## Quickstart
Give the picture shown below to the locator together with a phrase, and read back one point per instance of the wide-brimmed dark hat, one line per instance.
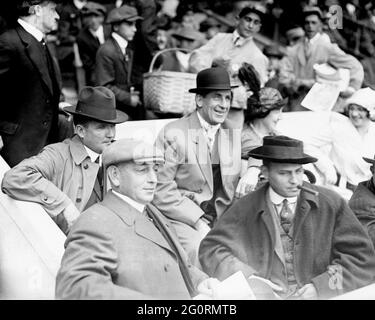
(124, 13)
(212, 79)
(93, 8)
(98, 103)
(282, 149)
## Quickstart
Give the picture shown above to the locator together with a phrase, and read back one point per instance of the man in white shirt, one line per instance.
(197, 183)
(114, 61)
(123, 247)
(301, 237)
(66, 177)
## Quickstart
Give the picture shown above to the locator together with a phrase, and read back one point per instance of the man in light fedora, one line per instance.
(198, 180)
(66, 177)
(123, 247)
(301, 239)
(362, 202)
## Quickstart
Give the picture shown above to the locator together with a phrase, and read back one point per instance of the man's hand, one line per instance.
(248, 182)
(71, 214)
(202, 227)
(1, 143)
(307, 292)
(208, 287)
(347, 93)
(135, 100)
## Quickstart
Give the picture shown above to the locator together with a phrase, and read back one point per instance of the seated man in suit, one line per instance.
(362, 202)
(123, 247)
(65, 178)
(203, 162)
(301, 237)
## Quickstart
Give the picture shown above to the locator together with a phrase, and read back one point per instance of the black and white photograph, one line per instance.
(203, 153)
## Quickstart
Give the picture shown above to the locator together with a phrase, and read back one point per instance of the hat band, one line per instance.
(282, 152)
(97, 112)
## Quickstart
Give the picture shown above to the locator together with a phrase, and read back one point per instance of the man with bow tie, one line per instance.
(301, 239)
(197, 183)
(114, 61)
(66, 177)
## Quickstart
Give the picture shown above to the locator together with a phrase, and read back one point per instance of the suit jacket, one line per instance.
(114, 72)
(186, 179)
(115, 252)
(326, 233)
(362, 203)
(88, 46)
(295, 66)
(29, 98)
(58, 176)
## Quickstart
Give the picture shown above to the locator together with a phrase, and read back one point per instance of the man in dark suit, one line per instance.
(123, 247)
(114, 61)
(29, 83)
(91, 37)
(302, 237)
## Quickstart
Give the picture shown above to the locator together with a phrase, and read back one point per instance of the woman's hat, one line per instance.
(271, 97)
(98, 103)
(212, 79)
(282, 149)
(365, 98)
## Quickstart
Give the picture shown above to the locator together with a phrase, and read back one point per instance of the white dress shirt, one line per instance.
(209, 130)
(277, 200)
(136, 205)
(93, 155)
(99, 34)
(35, 32)
(121, 42)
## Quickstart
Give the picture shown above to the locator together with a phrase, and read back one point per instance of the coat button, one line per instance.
(78, 200)
(200, 190)
(45, 198)
(166, 267)
(85, 166)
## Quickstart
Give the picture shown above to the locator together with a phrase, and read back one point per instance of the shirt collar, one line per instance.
(209, 128)
(136, 205)
(35, 32)
(239, 40)
(98, 34)
(121, 41)
(276, 199)
(93, 155)
(315, 38)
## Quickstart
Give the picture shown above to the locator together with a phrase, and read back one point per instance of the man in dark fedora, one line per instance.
(297, 236)
(362, 202)
(114, 61)
(66, 177)
(200, 175)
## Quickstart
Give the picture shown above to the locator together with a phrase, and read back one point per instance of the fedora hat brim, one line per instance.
(120, 116)
(288, 157)
(202, 89)
(372, 161)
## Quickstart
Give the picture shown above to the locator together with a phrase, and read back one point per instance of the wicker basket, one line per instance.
(167, 91)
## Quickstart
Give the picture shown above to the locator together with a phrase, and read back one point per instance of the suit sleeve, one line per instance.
(106, 75)
(89, 264)
(31, 180)
(353, 257)
(169, 199)
(221, 252)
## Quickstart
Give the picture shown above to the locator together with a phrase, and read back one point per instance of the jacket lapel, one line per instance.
(301, 54)
(201, 148)
(119, 53)
(35, 56)
(129, 215)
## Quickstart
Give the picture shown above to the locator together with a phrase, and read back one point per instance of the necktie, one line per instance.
(307, 49)
(47, 56)
(286, 216)
(100, 175)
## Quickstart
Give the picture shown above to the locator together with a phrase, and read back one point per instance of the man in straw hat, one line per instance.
(123, 247)
(198, 180)
(301, 239)
(362, 202)
(66, 177)
(114, 61)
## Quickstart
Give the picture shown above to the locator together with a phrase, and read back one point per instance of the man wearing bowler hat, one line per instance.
(114, 61)
(301, 239)
(66, 177)
(362, 202)
(198, 180)
(123, 247)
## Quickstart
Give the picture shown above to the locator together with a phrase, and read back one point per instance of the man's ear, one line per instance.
(113, 175)
(265, 171)
(199, 100)
(80, 130)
